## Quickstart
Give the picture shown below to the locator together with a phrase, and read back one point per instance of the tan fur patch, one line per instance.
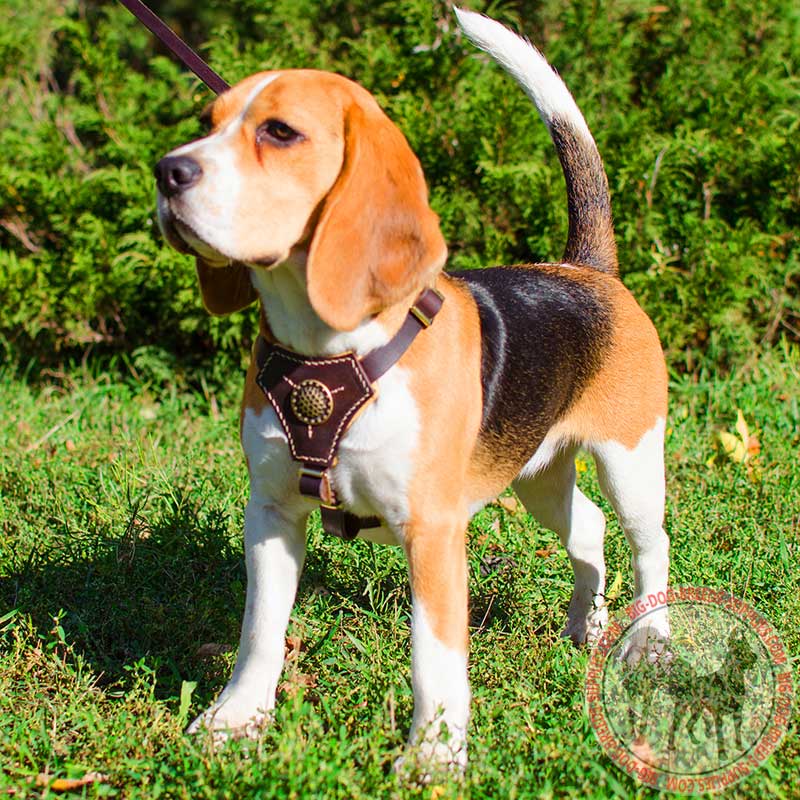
(253, 397)
(624, 400)
(445, 366)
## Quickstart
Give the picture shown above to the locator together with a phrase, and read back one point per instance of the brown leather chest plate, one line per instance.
(315, 399)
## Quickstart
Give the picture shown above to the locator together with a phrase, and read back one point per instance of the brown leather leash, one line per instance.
(176, 45)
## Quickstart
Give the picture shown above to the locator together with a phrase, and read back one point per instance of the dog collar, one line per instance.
(316, 399)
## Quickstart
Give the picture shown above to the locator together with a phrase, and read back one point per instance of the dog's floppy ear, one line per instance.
(225, 289)
(377, 239)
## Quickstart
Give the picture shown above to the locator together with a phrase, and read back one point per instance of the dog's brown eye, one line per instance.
(276, 132)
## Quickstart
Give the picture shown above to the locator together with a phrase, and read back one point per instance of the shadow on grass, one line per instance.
(173, 581)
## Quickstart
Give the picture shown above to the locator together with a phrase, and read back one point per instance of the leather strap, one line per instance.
(420, 316)
(281, 372)
(338, 522)
(176, 45)
(312, 485)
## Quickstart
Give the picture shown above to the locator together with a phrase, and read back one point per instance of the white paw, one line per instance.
(586, 628)
(234, 716)
(596, 623)
(648, 638)
(430, 760)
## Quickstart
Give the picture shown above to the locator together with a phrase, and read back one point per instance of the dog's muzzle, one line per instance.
(176, 174)
(166, 222)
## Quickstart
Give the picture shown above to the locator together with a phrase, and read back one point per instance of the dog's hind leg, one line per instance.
(633, 481)
(552, 497)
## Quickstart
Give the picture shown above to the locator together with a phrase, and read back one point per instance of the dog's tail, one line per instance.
(591, 229)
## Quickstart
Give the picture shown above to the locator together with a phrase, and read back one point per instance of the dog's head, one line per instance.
(305, 161)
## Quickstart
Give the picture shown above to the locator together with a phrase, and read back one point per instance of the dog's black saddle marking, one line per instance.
(544, 335)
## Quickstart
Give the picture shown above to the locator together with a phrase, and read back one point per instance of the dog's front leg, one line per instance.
(436, 551)
(274, 552)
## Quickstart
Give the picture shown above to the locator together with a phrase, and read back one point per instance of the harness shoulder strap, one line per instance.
(420, 316)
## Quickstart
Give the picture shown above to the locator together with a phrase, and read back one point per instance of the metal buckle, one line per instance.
(310, 472)
(423, 318)
(325, 494)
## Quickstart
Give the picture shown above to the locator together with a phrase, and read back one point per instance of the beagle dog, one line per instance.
(306, 197)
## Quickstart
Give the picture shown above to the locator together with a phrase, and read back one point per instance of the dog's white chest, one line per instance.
(374, 458)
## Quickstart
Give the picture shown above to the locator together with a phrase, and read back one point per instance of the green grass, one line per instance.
(121, 505)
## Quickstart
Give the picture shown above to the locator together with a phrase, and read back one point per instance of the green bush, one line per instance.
(694, 107)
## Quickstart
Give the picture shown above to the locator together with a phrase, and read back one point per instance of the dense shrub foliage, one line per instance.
(694, 105)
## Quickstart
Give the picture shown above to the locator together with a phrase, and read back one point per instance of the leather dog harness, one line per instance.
(317, 398)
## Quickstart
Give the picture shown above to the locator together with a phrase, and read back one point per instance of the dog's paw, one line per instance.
(432, 760)
(231, 717)
(647, 638)
(586, 628)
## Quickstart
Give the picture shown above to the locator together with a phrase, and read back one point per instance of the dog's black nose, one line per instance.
(175, 174)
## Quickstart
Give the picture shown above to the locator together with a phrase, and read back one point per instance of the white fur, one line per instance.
(551, 445)
(550, 494)
(441, 693)
(205, 214)
(376, 456)
(273, 472)
(294, 322)
(255, 92)
(633, 481)
(527, 66)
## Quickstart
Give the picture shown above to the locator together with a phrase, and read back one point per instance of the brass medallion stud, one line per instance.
(311, 402)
